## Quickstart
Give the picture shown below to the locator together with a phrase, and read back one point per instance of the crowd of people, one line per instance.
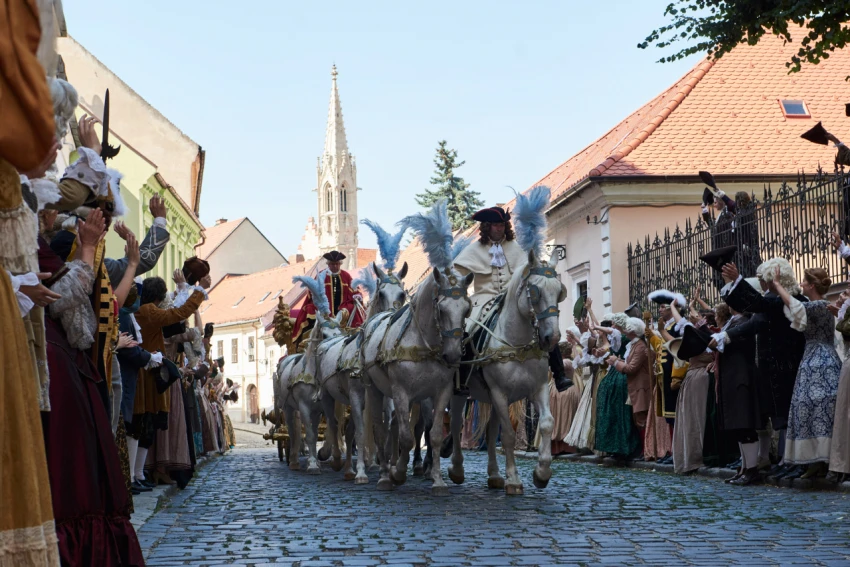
(107, 379)
(756, 383)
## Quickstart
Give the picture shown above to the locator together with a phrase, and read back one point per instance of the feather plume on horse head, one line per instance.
(316, 287)
(388, 244)
(460, 243)
(434, 231)
(366, 280)
(529, 217)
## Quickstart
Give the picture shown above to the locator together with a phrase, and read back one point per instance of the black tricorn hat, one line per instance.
(694, 342)
(174, 329)
(334, 256)
(167, 375)
(708, 179)
(707, 197)
(493, 214)
(634, 310)
(720, 256)
(816, 134)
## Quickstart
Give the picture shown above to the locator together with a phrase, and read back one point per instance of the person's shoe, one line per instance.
(835, 477)
(141, 487)
(562, 383)
(777, 470)
(793, 472)
(134, 491)
(146, 483)
(750, 476)
(815, 469)
(739, 474)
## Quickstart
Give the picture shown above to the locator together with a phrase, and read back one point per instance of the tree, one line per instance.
(717, 26)
(461, 202)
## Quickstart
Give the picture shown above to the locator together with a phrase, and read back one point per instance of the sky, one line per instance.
(515, 88)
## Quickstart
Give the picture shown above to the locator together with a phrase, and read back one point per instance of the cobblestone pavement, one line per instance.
(248, 508)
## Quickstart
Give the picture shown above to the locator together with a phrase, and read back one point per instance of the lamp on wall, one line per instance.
(599, 221)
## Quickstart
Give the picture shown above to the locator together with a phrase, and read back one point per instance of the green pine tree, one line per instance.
(461, 202)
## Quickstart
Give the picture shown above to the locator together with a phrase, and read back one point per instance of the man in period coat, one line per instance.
(340, 296)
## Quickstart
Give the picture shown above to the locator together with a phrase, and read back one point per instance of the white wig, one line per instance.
(619, 320)
(636, 326)
(65, 100)
(767, 271)
(607, 317)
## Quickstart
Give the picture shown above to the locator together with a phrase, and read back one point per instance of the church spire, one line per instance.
(335, 143)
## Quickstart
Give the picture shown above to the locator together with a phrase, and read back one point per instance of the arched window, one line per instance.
(343, 200)
(328, 199)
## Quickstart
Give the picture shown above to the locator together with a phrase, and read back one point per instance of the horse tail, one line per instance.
(479, 430)
(341, 422)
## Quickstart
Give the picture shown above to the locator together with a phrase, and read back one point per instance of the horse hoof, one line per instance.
(398, 476)
(314, 470)
(294, 467)
(418, 470)
(513, 489)
(324, 453)
(440, 490)
(349, 475)
(456, 478)
(497, 483)
(336, 466)
(385, 484)
(361, 480)
(540, 481)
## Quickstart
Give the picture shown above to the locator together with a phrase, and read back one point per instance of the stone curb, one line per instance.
(709, 472)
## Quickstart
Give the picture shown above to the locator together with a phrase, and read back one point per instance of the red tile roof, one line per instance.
(723, 117)
(366, 255)
(215, 235)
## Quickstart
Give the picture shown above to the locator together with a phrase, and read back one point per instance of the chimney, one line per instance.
(220, 221)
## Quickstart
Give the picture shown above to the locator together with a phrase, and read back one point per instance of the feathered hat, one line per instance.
(530, 219)
(664, 297)
(434, 230)
(316, 287)
(388, 244)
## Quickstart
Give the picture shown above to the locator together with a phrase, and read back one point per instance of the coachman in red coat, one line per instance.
(340, 297)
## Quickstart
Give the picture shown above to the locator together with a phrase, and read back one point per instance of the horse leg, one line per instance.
(494, 479)
(380, 432)
(546, 423)
(444, 395)
(403, 434)
(348, 465)
(456, 468)
(418, 429)
(293, 427)
(311, 430)
(513, 484)
(427, 414)
(331, 433)
(358, 429)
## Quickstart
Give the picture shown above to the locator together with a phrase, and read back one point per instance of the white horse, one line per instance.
(514, 364)
(339, 372)
(412, 356)
(298, 391)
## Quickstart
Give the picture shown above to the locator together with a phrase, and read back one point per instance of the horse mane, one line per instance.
(529, 216)
(434, 230)
(389, 245)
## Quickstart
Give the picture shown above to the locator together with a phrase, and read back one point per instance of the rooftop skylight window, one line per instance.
(238, 302)
(268, 293)
(276, 294)
(795, 109)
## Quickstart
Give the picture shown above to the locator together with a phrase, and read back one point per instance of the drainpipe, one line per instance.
(257, 325)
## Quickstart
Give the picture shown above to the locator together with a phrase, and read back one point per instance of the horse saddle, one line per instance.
(489, 318)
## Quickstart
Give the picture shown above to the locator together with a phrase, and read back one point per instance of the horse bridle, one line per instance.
(454, 292)
(533, 294)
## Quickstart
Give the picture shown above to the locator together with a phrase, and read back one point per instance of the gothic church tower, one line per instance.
(337, 187)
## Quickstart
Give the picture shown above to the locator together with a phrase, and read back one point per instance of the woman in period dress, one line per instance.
(839, 452)
(810, 421)
(615, 431)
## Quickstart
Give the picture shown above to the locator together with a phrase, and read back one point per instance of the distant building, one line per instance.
(238, 247)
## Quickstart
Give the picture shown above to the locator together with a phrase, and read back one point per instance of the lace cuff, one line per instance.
(155, 361)
(74, 309)
(843, 311)
(616, 339)
(25, 304)
(159, 221)
(681, 324)
(184, 292)
(722, 340)
(796, 314)
(727, 289)
(844, 250)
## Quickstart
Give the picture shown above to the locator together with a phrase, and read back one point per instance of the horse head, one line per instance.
(538, 297)
(390, 292)
(326, 327)
(451, 307)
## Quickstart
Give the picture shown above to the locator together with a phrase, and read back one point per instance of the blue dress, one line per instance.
(813, 403)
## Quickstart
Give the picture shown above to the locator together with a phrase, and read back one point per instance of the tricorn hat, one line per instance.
(492, 214)
(634, 310)
(708, 179)
(665, 297)
(195, 269)
(707, 197)
(694, 342)
(334, 256)
(578, 308)
(816, 134)
(167, 375)
(719, 257)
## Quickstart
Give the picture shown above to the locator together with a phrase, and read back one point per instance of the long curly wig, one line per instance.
(484, 232)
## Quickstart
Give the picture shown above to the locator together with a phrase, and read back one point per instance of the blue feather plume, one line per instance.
(461, 243)
(529, 216)
(388, 244)
(366, 280)
(434, 231)
(316, 287)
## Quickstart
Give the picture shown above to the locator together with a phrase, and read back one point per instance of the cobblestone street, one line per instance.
(248, 508)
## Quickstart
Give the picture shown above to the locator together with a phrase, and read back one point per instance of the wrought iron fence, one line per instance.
(795, 222)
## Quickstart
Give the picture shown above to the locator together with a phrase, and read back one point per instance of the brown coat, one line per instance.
(636, 368)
